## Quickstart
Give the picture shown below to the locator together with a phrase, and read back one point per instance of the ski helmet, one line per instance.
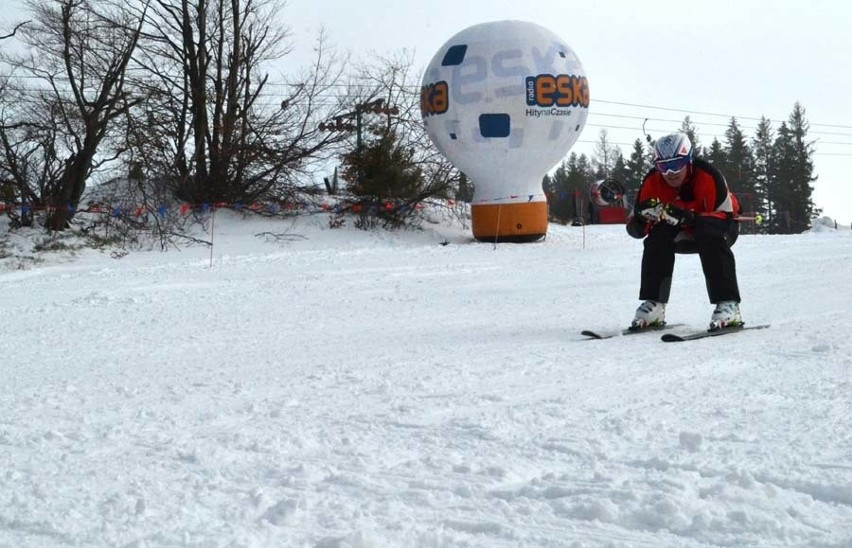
(672, 152)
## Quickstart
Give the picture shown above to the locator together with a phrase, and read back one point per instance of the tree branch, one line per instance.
(14, 30)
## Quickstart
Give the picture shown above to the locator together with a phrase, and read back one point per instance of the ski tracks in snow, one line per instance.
(433, 396)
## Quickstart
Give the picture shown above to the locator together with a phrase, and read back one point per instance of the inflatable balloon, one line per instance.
(504, 102)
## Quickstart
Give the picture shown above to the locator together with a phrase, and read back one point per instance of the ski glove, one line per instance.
(678, 216)
(637, 227)
(650, 210)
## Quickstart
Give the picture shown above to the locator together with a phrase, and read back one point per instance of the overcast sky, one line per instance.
(654, 59)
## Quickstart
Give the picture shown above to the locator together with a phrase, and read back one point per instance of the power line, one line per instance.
(602, 114)
(604, 101)
(652, 107)
(415, 88)
(701, 134)
(703, 123)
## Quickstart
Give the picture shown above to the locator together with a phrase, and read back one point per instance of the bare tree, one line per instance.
(29, 135)
(70, 91)
(605, 155)
(213, 127)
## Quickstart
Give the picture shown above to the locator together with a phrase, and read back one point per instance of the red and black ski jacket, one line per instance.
(704, 192)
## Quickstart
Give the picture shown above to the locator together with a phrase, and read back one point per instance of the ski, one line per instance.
(681, 337)
(610, 334)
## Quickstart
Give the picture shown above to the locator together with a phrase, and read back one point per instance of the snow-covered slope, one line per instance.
(343, 388)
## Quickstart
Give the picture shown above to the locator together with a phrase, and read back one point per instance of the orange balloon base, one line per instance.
(517, 223)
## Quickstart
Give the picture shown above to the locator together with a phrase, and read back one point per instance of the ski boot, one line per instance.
(726, 314)
(649, 314)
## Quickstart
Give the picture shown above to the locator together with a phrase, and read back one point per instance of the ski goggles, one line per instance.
(675, 165)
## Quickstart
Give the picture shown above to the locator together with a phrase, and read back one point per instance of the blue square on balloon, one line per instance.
(494, 125)
(454, 56)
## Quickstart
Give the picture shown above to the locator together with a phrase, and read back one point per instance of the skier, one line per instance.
(684, 206)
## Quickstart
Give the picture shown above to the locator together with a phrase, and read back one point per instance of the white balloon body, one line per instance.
(504, 102)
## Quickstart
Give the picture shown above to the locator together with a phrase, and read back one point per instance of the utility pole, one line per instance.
(343, 122)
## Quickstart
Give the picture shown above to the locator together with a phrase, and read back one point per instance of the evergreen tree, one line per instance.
(561, 200)
(763, 161)
(803, 209)
(579, 175)
(781, 190)
(692, 132)
(620, 171)
(583, 174)
(637, 166)
(547, 185)
(739, 168)
(784, 173)
(549, 194)
(717, 155)
(383, 170)
(464, 193)
(789, 174)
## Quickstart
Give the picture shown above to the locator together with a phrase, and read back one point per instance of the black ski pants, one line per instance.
(713, 240)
